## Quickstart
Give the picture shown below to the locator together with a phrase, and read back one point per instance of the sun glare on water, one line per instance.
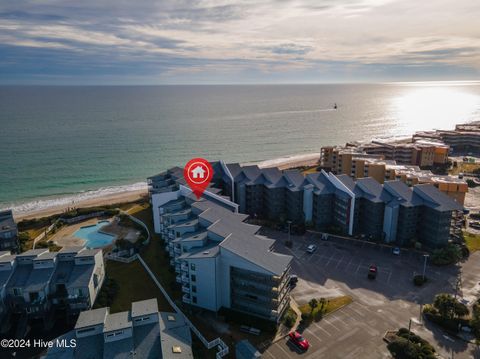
(433, 107)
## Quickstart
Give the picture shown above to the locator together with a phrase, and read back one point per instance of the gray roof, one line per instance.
(208, 251)
(20, 276)
(175, 334)
(117, 321)
(88, 252)
(436, 199)
(46, 255)
(8, 258)
(144, 307)
(80, 276)
(92, 317)
(6, 220)
(32, 252)
(118, 349)
(256, 251)
(38, 279)
(146, 339)
(71, 249)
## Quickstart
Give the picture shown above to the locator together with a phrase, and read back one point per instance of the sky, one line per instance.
(219, 42)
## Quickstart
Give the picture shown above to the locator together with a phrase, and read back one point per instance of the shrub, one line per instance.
(289, 318)
(410, 346)
(449, 254)
(419, 280)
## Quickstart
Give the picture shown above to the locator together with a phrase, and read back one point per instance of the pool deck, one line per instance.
(65, 236)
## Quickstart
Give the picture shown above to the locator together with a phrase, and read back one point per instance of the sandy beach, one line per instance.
(92, 202)
(51, 208)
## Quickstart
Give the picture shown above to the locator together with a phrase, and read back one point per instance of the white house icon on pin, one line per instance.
(198, 172)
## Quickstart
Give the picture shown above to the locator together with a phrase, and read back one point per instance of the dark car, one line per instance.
(299, 340)
(372, 272)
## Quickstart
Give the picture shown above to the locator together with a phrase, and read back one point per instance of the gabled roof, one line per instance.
(436, 199)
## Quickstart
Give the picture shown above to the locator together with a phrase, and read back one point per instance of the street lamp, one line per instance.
(425, 256)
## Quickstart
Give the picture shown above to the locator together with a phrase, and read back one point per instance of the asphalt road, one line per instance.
(339, 267)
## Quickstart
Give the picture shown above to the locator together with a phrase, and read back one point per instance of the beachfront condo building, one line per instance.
(464, 139)
(143, 332)
(357, 164)
(335, 204)
(220, 261)
(35, 283)
(8, 232)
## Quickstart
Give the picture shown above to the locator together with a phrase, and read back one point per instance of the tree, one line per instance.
(449, 254)
(313, 303)
(475, 322)
(446, 304)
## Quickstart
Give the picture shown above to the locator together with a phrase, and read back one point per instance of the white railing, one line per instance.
(222, 347)
(116, 257)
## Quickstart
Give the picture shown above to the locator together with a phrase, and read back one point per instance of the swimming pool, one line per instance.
(93, 237)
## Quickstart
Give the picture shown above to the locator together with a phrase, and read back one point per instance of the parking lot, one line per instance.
(340, 267)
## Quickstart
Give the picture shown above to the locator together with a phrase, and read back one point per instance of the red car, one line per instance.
(299, 340)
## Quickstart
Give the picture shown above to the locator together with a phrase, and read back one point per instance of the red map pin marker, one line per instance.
(198, 173)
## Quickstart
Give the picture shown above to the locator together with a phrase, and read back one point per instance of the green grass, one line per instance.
(472, 240)
(331, 305)
(155, 256)
(134, 284)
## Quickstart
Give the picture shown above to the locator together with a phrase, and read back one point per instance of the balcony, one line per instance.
(177, 250)
(178, 279)
(186, 288)
(184, 267)
(185, 279)
(172, 262)
(186, 299)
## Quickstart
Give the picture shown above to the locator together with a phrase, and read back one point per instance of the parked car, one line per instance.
(311, 248)
(372, 272)
(293, 280)
(299, 340)
(396, 251)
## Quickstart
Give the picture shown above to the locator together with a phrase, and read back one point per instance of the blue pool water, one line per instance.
(93, 237)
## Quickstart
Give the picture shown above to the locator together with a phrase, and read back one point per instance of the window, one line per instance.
(193, 278)
(17, 291)
(192, 266)
(178, 234)
(194, 299)
(194, 288)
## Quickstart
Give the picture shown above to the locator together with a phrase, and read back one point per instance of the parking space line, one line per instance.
(323, 330)
(283, 350)
(340, 261)
(268, 352)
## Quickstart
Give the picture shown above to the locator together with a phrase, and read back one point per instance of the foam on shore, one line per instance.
(74, 200)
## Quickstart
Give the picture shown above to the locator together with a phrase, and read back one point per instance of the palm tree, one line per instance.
(313, 303)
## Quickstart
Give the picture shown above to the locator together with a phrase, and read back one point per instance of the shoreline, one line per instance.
(130, 193)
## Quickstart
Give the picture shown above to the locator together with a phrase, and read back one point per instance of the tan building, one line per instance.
(357, 164)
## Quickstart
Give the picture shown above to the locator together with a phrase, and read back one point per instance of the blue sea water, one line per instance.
(93, 237)
(58, 141)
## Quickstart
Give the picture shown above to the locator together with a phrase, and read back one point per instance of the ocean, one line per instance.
(88, 141)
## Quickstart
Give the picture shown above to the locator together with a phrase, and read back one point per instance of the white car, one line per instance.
(396, 251)
(311, 248)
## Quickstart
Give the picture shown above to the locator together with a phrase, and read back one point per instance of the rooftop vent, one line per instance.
(171, 318)
(176, 349)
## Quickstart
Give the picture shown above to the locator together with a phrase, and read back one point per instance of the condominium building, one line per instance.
(143, 332)
(464, 139)
(357, 164)
(36, 282)
(338, 204)
(329, 202)
(221, 261)
(8, 232)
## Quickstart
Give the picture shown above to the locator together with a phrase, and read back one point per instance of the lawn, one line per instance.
(331, 305)
(156, 257)
(472, 240)
(134, 284)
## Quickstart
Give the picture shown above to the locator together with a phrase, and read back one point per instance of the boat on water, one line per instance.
(335, 106)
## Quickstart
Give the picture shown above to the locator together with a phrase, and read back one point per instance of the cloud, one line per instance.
(253, 36)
